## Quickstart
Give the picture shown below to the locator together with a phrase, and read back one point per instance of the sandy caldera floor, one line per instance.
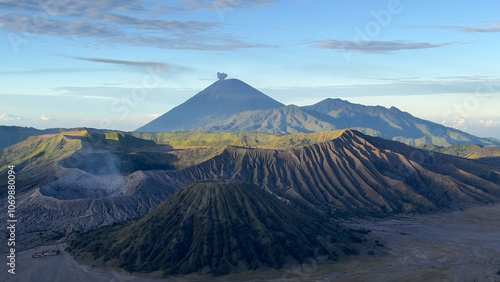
(457, 246)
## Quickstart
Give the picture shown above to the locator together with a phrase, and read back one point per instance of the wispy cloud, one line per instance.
(141, 64)
(155, 94)
(224, 4)
(44, 118)
(49, 71)
(372, 47)
(23, 25)
(494, 27)
(157, 66)
(130, 22)
(482, 86)
(192, 42)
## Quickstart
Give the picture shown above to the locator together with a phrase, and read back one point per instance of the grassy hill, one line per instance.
(188, 139)
(487, 154)
(206, 139)
(41, 159)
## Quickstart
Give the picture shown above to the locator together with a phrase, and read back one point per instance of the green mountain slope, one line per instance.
(234, 106)
(206, 139)
(217, 228)
(35, 158)
(336, 114)
(46, 158)
(282, 121)
(10, 135)
(392, 124)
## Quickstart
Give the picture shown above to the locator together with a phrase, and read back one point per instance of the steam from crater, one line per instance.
(221, 75)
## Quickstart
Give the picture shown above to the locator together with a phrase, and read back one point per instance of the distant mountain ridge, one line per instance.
(234, 106)
(393, 124)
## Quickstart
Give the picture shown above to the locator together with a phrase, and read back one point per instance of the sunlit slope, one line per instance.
(355, 174)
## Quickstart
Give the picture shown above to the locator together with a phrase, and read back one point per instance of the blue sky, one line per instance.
(119, 64)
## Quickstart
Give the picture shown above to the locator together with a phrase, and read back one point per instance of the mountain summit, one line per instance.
(219, 101)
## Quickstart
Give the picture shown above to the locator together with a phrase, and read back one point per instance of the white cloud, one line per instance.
(459, 124)
(45, 118)
(491, 123)
(8, 117)
(154, 115)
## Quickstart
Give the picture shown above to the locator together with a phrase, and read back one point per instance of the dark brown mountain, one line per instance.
(356, 174)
